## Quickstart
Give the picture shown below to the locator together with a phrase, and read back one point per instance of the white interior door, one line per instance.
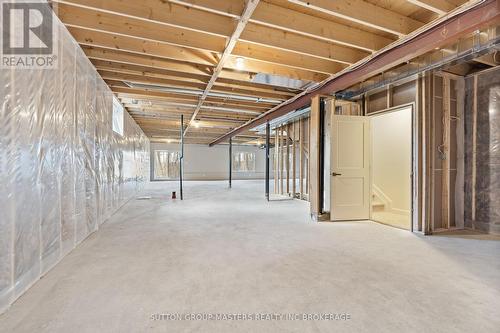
(350, 168)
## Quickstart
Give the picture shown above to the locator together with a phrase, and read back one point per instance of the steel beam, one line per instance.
(446, 31)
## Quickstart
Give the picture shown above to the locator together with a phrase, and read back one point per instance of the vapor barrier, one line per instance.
(482, 148)
(63, 171)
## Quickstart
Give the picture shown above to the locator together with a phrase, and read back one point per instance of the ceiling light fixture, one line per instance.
(240, 63)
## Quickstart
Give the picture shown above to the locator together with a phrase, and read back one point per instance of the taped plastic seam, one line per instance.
(63, 171)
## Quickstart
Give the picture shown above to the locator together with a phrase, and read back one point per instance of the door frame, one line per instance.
(414, 170)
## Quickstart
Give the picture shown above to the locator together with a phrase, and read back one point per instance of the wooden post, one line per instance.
(315, 157)
(308, 156)
(432, 148)
(287, 140)
(418, 167)
(275, 162)
(389, 96)
(446, 156)
(281, 160)
(474, 153)
(294, 169)
(301, 159)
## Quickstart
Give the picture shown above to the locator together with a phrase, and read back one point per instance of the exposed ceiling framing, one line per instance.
(205, 59)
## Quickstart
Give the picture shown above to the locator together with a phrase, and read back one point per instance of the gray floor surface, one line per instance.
(228, 251)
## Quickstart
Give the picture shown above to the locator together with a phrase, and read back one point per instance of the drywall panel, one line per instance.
(212, 163)
(63, 169)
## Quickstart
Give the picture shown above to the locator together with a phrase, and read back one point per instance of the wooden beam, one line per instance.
(286, 41)
(214, 106)
(81, 17)
(128, 53)
(174, 15)
(231, 43)
(365, 13)
(286, 19)
(174, 111)
(105, 22)
(145, 79)
(168, 74)
(439, 7)
(163, 123)
(175, 97)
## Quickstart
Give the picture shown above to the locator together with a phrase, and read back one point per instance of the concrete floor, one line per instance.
(229, 251)
(396, 220)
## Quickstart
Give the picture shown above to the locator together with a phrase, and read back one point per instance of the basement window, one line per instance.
(243, 162)
(166, 164)
(117, 117)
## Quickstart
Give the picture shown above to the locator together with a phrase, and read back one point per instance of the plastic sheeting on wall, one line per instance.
(482, 171)
(63, 171)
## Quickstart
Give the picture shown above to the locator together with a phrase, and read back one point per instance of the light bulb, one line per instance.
(240, 63)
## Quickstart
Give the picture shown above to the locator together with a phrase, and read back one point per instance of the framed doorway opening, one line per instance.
(391, 172)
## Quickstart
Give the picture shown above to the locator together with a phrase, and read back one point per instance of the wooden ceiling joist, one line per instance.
(219, 108)
(190, 81)
(189, 101)
(282, 18)
(365, 13)
(167, 74)
(169, 114)
(182, 17)
(144, 79)
(123, 57)
(439, 7)
(103, 22)
(170, 96)
(120, 53)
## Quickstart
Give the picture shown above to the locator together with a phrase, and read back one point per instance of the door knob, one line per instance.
(334, 174)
